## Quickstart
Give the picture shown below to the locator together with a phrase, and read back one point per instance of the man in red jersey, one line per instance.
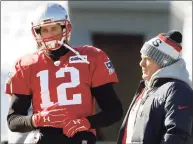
(62, 83)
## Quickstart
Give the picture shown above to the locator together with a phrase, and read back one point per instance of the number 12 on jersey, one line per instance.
(61, 89)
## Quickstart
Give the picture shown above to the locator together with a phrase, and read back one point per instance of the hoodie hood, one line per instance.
(176, 71)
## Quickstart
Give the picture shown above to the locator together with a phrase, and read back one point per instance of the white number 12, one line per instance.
(61, 89)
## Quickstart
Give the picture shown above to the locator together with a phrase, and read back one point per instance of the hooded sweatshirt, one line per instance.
(165, 112)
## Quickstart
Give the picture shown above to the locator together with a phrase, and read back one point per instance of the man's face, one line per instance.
(51, 30)
(149, 67)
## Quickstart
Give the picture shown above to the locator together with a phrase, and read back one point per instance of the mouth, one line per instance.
(144, 71)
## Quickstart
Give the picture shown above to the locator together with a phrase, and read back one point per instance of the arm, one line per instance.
(17, 118)
(19, 88)
(111, 112)
(179, 114)
(18, 121)
(102, 77)
(110, 105)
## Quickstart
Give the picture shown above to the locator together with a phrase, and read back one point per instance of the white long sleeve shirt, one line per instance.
(133, 116)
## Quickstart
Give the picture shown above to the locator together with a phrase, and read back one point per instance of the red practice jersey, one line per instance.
(67, 82)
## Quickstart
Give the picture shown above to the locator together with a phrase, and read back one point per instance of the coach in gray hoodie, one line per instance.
(162, 109)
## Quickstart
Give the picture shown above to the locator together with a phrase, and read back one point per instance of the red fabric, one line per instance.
(73, 126)
(69, 83)
(139, 96)
(19, 81)
(125, 135)
(169, 42)
(52, 117)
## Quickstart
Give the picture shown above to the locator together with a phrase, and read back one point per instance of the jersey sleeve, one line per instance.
(19, 80)
(103, 70)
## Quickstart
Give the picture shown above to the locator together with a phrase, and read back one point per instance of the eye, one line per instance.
(63, 26)
(54, 28)
(44, 30)
(146, 58)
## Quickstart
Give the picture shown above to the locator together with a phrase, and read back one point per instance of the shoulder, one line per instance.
(179, 85)
(179, 90)
(24, 63)
(168, 84)
(172, 88)
(27, 60)
(90, 50)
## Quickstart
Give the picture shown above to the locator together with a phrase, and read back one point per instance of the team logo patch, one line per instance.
(76, 59)
(47, 20)
(110, 66)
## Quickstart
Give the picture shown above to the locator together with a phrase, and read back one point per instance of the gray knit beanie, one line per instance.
(164, 49)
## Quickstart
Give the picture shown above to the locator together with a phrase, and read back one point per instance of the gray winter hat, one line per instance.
(165, 49)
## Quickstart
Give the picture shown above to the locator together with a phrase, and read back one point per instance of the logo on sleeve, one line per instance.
(76, 59)
(182, 107)
(109, 66)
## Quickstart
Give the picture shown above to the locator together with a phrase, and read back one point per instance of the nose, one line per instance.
(50, 33)
(142, 62)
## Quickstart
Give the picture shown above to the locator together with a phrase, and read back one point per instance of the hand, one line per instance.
(51, 117)
(72, 126)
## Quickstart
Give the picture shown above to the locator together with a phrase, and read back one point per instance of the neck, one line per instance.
(146, 83)
(56, 54)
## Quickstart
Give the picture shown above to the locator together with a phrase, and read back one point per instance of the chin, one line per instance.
(144, 77)
(56, 48)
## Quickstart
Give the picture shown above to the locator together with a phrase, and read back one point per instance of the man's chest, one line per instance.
(59, 72)
(66, 83)
(151, 103)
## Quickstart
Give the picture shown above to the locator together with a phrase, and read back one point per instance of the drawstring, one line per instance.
(77, 53)
(70, 48)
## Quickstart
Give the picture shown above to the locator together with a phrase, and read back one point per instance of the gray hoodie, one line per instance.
(166, 116)
(176, 71)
